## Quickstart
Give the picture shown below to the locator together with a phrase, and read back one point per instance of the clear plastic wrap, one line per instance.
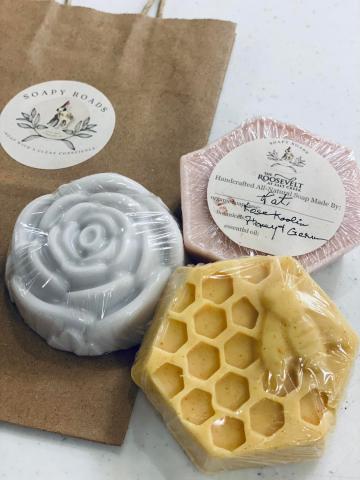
(204, 239)
(246, 360)
(88, 263)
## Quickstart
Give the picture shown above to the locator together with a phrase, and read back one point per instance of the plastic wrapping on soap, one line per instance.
(202, 236)
(247, 361)
(88, 263)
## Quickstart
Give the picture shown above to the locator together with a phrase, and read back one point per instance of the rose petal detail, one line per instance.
(88, 263)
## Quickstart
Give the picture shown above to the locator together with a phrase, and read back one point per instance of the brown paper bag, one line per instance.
(163, 78)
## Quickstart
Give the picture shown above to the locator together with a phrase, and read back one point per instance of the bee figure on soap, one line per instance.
(62, 117)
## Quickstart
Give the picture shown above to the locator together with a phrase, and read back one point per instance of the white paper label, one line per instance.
(276, 196)
(56, 124)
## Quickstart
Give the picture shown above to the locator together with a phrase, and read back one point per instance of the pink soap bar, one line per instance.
(202, 236)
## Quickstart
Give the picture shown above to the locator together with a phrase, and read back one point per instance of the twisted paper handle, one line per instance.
(150, 3)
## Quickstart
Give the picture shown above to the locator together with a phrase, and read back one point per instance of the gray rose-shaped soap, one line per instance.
(89, 262)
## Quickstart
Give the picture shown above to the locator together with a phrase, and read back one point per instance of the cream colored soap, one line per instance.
(246, 361)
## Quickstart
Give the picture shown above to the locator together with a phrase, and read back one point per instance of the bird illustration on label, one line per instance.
(287, 160)
(58, 128)
(63, 117)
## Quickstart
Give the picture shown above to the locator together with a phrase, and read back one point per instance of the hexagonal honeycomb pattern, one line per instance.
(232, 391)
(313, 406)
(184, 297)
(203, 360)
(240, 350)
(169, 379)
(174, 337)
(242, 366)
(267, 417)
(228, 433)
(210, 321)
(196, 406)
(244, 313)
(217, 288)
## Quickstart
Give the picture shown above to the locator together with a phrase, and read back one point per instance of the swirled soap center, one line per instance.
(92, 237)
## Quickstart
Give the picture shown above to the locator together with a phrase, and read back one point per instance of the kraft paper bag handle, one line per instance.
(150, 3)
(145, 10)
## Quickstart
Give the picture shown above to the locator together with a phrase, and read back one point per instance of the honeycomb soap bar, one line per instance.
(246, 361)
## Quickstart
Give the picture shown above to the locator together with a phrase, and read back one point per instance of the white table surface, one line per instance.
(294, 60)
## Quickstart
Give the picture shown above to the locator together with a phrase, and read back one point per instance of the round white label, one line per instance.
(276, 196)
(56, 124)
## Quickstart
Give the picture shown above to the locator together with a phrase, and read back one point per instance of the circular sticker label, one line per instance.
(276, 196)
(56, 124)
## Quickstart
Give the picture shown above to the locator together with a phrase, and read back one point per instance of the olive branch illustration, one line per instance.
(32, 121)
(292, 161)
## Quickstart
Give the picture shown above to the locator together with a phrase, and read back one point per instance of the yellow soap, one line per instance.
(246, 360)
